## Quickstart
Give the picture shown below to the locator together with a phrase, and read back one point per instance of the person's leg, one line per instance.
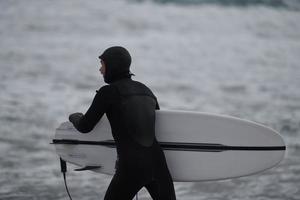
(162, 189)
(122, 188)
(153, 190)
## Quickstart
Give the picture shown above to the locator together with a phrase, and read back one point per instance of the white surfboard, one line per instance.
(198, 146)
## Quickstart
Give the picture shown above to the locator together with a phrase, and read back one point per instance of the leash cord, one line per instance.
(64, 174)
(63, 167)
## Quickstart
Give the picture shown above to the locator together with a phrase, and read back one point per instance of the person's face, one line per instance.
(102, 68)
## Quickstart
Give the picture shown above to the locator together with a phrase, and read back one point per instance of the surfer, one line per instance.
(130, 108)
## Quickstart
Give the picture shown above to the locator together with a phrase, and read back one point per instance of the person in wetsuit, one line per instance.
(130, 108)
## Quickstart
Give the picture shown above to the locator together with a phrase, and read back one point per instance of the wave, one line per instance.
(290, 4)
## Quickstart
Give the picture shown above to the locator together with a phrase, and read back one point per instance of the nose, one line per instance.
(101, 70)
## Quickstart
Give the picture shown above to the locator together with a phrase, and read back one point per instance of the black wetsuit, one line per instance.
(130, 108)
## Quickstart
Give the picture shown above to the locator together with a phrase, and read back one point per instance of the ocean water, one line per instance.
(230, 57)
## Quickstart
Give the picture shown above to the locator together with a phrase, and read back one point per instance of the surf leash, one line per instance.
(63, 169)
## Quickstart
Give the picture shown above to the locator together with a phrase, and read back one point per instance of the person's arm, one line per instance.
(101, 103)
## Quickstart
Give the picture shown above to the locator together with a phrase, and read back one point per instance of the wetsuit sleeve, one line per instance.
(101, 103)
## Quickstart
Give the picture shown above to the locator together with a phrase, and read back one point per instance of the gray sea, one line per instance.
(233, 57)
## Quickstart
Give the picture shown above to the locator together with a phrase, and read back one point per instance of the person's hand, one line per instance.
(75, 117)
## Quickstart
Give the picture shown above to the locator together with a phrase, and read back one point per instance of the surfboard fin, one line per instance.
(88, 168)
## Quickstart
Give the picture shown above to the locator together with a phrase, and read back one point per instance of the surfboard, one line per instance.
(197, 146)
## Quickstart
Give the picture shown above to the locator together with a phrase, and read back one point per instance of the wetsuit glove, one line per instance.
(75, 118)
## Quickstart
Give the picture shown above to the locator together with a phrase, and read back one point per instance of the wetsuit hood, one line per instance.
(117, 61)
